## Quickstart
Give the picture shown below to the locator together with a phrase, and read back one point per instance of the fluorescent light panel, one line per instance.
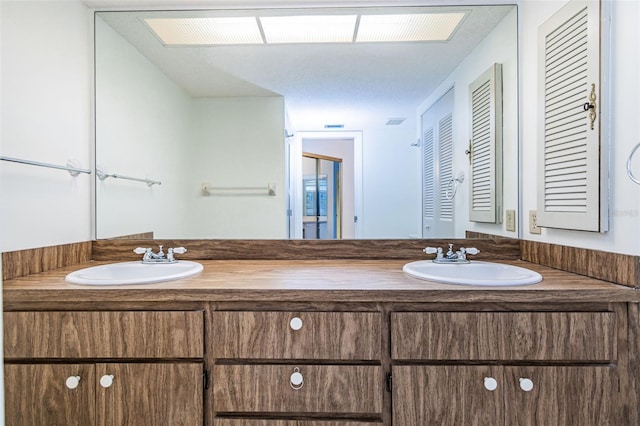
(408, 27)
(206, 31)
(309, 29)
(306, 29)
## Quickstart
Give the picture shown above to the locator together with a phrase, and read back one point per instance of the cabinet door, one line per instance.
(150, 394)
(447, 395)
(560, 395)
(37, 394)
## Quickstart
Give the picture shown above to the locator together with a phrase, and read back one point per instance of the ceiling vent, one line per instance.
(395, 121)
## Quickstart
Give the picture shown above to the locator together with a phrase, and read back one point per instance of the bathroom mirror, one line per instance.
(199, 140)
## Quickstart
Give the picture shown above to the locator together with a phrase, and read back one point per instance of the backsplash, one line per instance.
(114, 250)
(32, 261)
(618, 268)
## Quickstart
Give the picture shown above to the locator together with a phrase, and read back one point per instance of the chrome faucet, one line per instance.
(150, 257)
(459, 256)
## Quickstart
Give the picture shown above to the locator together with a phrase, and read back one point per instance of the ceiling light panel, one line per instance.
(408, 27)
(309, 29)
(206, 31)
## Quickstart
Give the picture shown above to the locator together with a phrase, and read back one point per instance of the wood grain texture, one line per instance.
(150, 394)
(562, 396)
(323, 335)
(446, 395)
(506, 336)
(119, 250)
(36, 394)
(354, 281)
(266, 388)
(32, 261)
(444, 336)
(106, 334)
(270, 422)
(558, 336)
(614, 267)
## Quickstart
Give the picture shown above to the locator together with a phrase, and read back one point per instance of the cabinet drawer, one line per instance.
(260, 422)
(330, 389)
(104, 334)
(297, 335)
(545, 336)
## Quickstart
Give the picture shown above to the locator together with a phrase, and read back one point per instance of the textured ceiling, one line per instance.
(351, 84)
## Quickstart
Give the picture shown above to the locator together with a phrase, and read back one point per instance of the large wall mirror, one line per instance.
(203, 118)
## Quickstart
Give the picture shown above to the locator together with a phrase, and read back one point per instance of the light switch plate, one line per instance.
(510, 220)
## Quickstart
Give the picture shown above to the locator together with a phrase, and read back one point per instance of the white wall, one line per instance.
(392, 186)
(148, 127)
(499, 46)
(238, 142)
(46, 115)
(624, 203)
(143, 122)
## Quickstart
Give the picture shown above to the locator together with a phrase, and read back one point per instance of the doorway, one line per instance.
(333, 145)
(321, 194)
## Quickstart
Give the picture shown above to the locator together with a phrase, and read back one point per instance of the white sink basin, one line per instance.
(474, 273)
(133, 273)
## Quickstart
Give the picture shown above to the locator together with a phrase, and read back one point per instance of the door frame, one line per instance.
(296, 177)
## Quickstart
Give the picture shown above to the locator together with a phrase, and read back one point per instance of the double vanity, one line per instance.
(333, 342)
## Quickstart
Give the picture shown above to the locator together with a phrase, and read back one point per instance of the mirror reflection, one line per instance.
(226, 131)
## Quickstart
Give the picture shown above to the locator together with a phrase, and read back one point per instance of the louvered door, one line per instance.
(570, 174)
(485, 195)
(437, 168)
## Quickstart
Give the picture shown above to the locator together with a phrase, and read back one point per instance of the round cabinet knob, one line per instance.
(526, 384)
(295, 323)
(106, 380)
(490, 383)
(296, 380)
(72, 382)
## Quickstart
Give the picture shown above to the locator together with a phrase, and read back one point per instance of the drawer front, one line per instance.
(323, 389)
(297, 335)
(444, 336)
(544, 336)
(559, 336)
(104, 334)
(261, 422)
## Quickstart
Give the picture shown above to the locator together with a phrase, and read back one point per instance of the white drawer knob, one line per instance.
(526, 384)
(72, 382)
(106, 380)
(296, 380)
(490, 383)
(295, 323)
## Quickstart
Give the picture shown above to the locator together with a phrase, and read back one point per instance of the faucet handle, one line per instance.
(179, 250)
(472, 250)
(140, 250)
(430, 250)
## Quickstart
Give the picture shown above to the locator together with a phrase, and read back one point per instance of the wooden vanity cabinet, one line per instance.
(504, 368)
(285, 368)
(104, 368)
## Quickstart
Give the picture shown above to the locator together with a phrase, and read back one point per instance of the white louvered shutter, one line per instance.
(437, 168)
(485, 195)
(569, 166)
(445, 128)
(428, 196)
